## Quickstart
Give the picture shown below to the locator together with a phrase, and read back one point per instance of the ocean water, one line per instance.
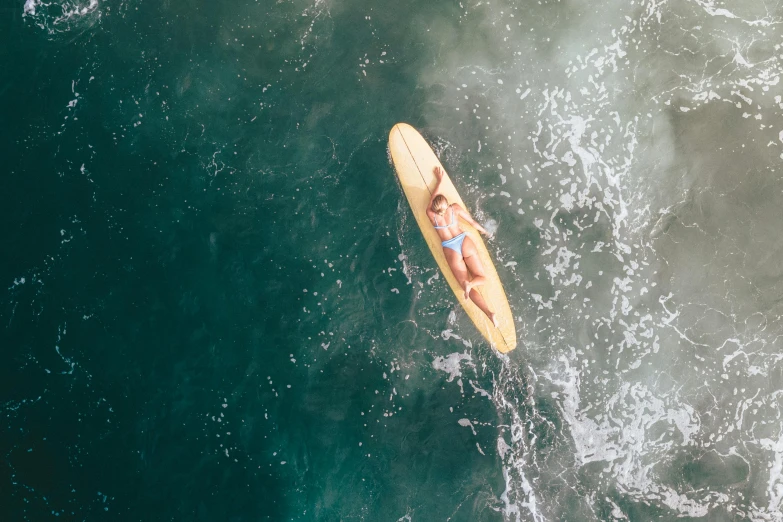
(215, 303)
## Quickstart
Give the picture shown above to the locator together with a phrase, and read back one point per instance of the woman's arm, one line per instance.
(461, 212)
(438, 174)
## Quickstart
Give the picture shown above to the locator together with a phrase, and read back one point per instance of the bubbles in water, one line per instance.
(491, 226)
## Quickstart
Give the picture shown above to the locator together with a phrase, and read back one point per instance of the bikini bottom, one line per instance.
(455, 243)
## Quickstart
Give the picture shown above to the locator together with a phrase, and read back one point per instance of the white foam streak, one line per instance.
(59, 16)
(591, 439)
(775, 482)
(29, 7)
(517, 458)
(710, 9)
(451, 364)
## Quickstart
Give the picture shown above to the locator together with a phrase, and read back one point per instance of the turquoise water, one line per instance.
(216, 304)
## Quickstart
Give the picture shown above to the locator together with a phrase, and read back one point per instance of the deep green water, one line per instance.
(215, 303)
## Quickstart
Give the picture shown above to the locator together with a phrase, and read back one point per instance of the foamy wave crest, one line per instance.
(62, 16)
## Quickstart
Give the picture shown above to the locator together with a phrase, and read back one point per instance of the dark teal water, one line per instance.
(215, 304)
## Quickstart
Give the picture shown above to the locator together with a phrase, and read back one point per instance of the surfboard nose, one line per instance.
(399, 128)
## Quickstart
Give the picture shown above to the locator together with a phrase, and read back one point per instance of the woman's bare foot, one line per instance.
(468, 288)
(494, 318)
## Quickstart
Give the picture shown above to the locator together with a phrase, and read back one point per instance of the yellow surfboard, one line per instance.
(414, 162)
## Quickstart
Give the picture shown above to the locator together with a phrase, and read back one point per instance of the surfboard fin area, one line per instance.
(414, 161)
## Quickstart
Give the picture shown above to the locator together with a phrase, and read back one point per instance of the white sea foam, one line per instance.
(629, 302)
(62, 16)
(29, 7)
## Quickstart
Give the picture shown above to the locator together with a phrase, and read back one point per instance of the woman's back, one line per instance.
(450, 226)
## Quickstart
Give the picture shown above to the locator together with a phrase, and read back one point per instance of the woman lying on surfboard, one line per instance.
(459, 249)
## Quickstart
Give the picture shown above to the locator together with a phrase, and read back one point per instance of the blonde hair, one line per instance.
(440, 204)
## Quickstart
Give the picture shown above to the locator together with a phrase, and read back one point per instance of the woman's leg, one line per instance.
(457, 265)
(473, 263)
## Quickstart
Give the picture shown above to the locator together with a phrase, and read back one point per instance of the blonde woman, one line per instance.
(460, 251)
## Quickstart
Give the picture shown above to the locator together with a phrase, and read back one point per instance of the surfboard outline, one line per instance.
(404, 152)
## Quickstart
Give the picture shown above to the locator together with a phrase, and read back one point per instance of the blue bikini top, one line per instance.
(453, 220)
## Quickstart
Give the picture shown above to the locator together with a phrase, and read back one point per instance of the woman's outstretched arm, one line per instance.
(461, 212)
(438, 174)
